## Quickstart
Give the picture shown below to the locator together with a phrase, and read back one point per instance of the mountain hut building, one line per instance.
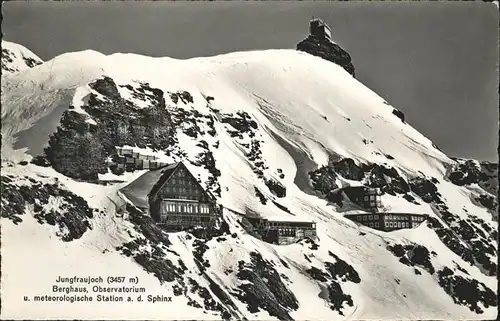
(282, 232)
(388, 221)
(174, 198)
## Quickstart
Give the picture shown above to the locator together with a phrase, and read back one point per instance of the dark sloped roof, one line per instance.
(149, 184)
(166, 173)
(169, 170)
(137, 191)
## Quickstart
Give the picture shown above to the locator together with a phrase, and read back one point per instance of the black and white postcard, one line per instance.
(262, 160)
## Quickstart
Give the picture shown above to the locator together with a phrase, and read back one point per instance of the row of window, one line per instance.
(181, 181)
(370, 198)
(397, 224)
(184, 218)
(390, 224)
(287, 232)
(185, 208)
(389, 218)
(367, 217)
(397, 217)
(372, 204)
(177, 189)
(284, 225)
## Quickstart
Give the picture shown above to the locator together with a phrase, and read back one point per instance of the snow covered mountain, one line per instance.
(17, 58)
(244, 123)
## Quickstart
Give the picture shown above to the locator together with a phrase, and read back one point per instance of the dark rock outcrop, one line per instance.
(413, 255)
(79, 149)
(376, 176)
(328, 50)
(336, 273)
(266, 289)
(465, 291)
(276, 187)
(8, 64)
(71, 215)
(399, 114)
(467, 172)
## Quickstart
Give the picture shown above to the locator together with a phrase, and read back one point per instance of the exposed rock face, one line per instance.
(465, 291)
(16, 58)
(413, 255)
(266, 289)
(468, 172)
(399, 114)
(328, 50)
(109, 121)
(51, 203)
(376, 176)
(336, 273)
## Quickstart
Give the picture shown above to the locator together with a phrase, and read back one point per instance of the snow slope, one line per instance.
(17, 58)
(306, 112)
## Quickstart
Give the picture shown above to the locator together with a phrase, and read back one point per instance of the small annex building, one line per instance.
(174, 198)
(281, 231)
(388, 221)
(126, 159)
(367, 198)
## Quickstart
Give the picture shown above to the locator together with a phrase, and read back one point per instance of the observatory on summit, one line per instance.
(319, 28)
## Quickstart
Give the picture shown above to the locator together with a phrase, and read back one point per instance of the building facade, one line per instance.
(319, 29)
(366, 197)
(388, 221)
(129, 160)
(283, 232)
(177, 201)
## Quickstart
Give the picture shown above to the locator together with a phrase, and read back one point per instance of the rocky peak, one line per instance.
(320, 44)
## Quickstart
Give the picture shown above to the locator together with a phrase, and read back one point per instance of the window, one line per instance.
(366, 198)
(358, 218)
(407, 224)
(371, 224)
(386, 224)
(375, 216)
(372, 197)
(399, 224)
(370, 217)
(364, 218)
(390, 224)
(376, 224)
